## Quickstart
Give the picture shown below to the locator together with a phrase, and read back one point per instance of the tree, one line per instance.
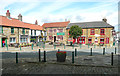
(75, 31)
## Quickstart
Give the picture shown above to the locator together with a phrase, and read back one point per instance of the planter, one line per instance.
(61, 56)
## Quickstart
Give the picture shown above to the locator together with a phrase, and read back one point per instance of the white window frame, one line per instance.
(12, 40)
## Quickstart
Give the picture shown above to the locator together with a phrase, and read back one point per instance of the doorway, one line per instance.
(54, 38)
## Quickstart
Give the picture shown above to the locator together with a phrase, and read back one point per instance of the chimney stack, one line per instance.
(20, 17)
(36, 23)
(8, 14)
(104, 19)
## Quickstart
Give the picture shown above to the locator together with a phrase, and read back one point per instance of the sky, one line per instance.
(45, 11)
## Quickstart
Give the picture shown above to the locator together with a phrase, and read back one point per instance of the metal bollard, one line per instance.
(103, 51)
(64, 46)
(94, 46)
(73, 46)
(7, 47)
(54, 46)
(20, 47)
(16, 57)
(44, 56)
(58, 50)
(112, 58)
(91, 52)
(88, 45)
(32, 46)
(72, 57)
(75, 52)
(115, 50)
(80, 45)
(39, 55)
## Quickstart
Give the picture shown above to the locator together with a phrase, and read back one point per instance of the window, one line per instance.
(50, 30)
(12, 40)
(59, 30)
(102, 32)
(107, 40)
(92, 32)
(89, 40)
(60, 37)
(1, 29)
(31, 32)
(35, 32)
(23, 31)
(102, 40)
(23, 40)
(12, 30)
(50, 37)
(54, 30)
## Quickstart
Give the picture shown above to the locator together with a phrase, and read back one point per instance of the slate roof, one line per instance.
(4, 21)
(95, 24)
(56, 24)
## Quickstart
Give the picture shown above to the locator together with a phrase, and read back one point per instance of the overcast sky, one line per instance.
(54, 11)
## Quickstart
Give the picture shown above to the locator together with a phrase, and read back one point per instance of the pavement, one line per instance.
(83, 63)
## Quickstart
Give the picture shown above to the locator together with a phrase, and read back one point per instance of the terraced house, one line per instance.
(14, 30)
(97, 33)
(56, 31)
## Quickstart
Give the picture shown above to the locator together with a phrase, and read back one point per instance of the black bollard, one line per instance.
(58, 50)
(39, 56)
(112, 58)
(44, 56)
(103, 51)
(16, 57)
(72, 57)
(75, 52)
(115, 50)
(91, 52)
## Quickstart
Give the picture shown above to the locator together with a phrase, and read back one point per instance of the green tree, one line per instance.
(75, 31)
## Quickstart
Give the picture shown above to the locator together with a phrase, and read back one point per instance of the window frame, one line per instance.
(101, 33)
(12, 40)
(91, 31)
(12, 30)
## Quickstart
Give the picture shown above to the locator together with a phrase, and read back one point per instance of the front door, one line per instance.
(82, 40)
(54, 38)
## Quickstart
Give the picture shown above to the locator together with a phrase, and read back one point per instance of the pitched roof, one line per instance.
(95, 24)
(56, 24)
(4, 21)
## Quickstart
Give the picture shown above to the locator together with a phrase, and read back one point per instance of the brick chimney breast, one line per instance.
(8, 14)
(104, 19)
(36, 23)
(20, 17)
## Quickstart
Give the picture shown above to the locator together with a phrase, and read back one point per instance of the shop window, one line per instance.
(12, 40)
(60, 30)
(102, 31)
(54, 30)
(12, 30)
(89, 40)
(92, 32)
(107, 40)
(60, 37)
(102, 40)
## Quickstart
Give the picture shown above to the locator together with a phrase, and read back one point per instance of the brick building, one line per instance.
(14, 30)
(56, 31)
(97, 32)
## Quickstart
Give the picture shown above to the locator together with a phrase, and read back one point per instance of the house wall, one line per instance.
(86, 34)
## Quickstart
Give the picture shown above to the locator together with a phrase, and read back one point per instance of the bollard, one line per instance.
(80, 45)
(44, 56)
(75, 52)
(43, 46)
(112, 58)
(115, 50)
(91, 52)
(54, 46)
(106, 46)
(58, 50)
(16, 57)
(88, 45)
(32, 46)
(7, 47)
(20, 47)
(103, 51)
(94, 46)
(39, 56)
(72, 57)
(64, 46)
(73, 46)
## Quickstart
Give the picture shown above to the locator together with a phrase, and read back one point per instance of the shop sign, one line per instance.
(61, 33)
